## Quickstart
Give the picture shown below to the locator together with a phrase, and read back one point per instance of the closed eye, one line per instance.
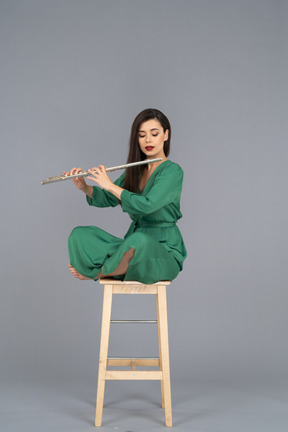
(143, 136)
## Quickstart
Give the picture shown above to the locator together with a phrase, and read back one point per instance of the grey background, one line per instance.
(74, 74)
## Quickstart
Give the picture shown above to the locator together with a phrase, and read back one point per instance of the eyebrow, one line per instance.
(150, 130)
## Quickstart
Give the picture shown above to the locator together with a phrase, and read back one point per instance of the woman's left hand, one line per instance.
(99, 176)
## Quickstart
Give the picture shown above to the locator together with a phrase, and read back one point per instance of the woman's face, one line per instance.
(151, 137)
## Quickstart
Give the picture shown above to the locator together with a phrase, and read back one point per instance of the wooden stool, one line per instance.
(113, 286)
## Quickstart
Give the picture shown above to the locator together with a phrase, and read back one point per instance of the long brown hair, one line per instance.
(133, 174)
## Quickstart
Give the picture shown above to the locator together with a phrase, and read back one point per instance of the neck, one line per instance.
(154, 165)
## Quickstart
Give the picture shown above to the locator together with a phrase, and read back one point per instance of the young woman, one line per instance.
(153, 248)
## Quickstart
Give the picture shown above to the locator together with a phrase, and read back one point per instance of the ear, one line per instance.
(166, 134)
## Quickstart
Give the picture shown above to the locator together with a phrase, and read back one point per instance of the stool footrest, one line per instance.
(120, 361)
(133, 375)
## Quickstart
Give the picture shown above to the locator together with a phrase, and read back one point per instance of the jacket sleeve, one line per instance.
(165, 190)
(102, 198)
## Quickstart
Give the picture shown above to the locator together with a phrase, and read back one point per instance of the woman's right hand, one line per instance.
(78, 181)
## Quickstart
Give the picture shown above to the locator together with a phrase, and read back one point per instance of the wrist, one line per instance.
(115, 190)
(87, 189)
(110, 188)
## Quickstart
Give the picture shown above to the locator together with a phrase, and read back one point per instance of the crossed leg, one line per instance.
(120, 270)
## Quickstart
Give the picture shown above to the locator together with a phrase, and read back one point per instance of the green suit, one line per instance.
(159, 247)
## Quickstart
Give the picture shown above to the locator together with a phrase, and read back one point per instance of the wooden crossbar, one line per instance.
(149, 362)
(133, 375)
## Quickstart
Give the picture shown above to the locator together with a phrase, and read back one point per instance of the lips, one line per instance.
(149, 148)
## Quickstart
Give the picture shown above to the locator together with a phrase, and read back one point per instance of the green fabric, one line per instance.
(159, 247)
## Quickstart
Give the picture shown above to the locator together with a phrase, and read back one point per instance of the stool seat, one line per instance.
(113, 286)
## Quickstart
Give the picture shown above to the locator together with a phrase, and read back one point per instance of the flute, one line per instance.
(86, 173)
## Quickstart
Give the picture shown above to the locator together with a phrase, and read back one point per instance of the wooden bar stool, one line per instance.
(113, 286)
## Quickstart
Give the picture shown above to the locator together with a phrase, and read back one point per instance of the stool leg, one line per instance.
(105, 330)
(160, 352)
(164, 346)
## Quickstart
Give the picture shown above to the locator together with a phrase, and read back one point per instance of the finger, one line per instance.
(95, 168)
(93, 171)
(75, 172)
(91, 178)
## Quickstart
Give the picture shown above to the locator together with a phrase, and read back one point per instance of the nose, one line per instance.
(148, 138)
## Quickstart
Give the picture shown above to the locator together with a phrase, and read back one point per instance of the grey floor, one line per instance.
(135, 407)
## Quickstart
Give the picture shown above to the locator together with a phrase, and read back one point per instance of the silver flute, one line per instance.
(86, 173)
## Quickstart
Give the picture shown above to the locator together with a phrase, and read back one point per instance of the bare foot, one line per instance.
(76, 274)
